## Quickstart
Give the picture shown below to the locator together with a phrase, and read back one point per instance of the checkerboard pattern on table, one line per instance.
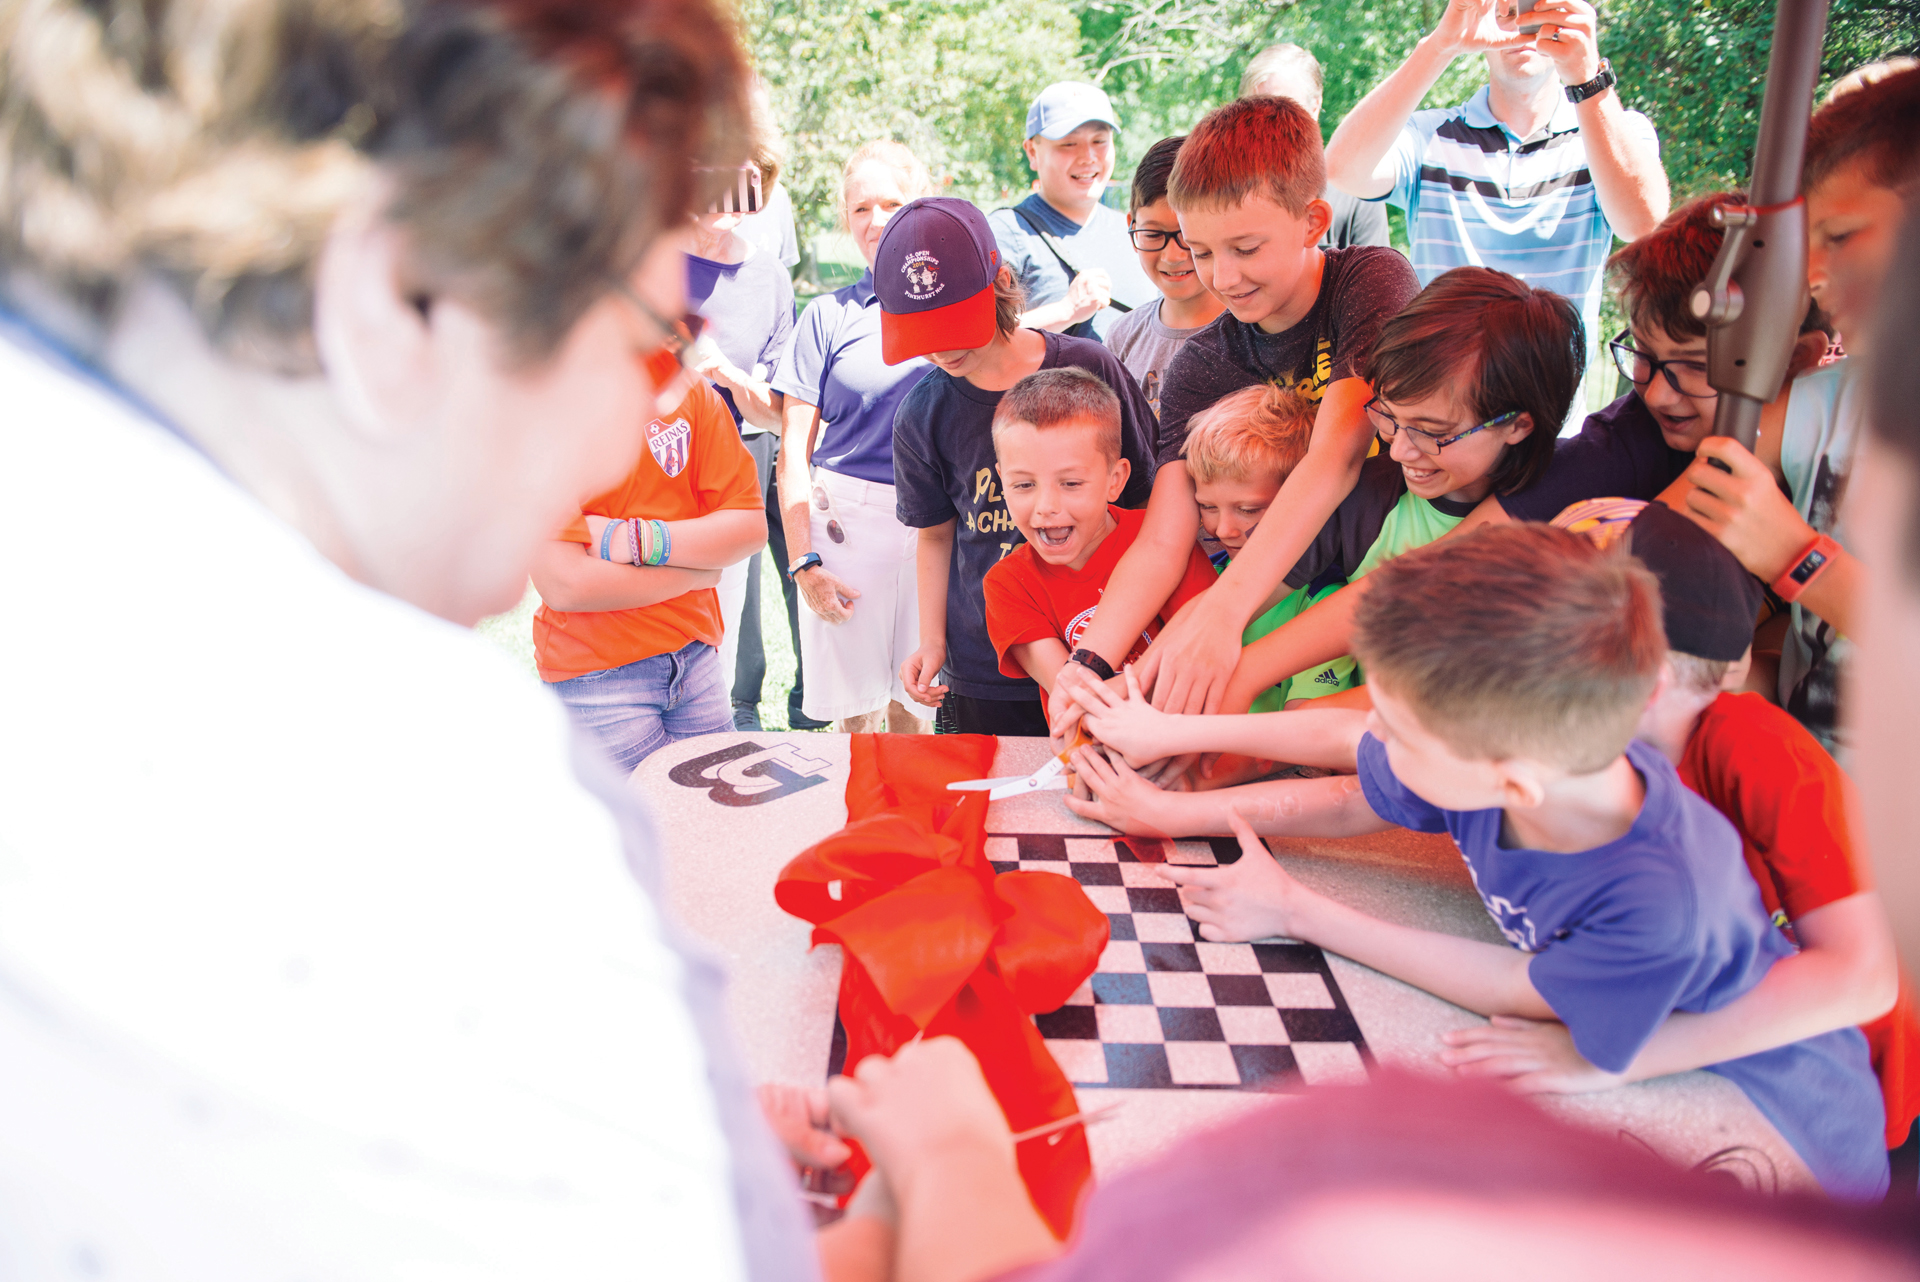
(1168, 1009)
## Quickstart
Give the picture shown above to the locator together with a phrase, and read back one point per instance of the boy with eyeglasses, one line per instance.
(1146, 338)
(1640, 444)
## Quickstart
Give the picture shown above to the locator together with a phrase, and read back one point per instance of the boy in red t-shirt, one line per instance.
(630, 625)
(1056, 438)
(1790, 803)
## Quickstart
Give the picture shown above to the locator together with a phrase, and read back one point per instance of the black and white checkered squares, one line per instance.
(1168, 1009)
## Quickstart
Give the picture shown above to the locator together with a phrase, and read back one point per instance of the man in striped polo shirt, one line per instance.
(1534, 175)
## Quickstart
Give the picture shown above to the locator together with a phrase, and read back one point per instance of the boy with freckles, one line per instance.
(1056, 435)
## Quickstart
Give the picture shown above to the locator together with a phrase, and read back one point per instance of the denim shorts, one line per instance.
(640, 708)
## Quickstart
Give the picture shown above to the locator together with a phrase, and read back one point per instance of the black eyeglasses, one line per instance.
(1152, 239)
(1689, 378)
(1386, 427)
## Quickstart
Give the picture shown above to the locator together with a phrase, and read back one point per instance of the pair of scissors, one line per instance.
(1050, 777)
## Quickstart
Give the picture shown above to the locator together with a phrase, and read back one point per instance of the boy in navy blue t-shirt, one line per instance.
(1509, 726)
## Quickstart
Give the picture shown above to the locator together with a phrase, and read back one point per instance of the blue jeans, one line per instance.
(640, 708)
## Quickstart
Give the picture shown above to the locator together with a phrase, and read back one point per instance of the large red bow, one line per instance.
(935, 941)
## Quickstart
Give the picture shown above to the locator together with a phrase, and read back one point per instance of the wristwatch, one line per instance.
(1092, 663)
(1805, 568)
(806, 562)
(1605, 80)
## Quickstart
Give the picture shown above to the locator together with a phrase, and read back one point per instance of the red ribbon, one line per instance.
(936, 942)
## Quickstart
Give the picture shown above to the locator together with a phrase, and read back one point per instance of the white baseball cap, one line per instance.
(1063, 107)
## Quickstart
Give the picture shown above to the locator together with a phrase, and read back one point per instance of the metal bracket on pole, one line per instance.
(1755, 296)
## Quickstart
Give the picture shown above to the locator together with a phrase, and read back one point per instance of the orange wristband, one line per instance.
(1805, 568)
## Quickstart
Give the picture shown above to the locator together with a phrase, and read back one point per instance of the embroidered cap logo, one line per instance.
(922, 271)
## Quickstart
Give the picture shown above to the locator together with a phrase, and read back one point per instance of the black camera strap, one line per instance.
(1060, 251)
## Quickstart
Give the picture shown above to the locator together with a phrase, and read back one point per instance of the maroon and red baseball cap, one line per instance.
(933, 275)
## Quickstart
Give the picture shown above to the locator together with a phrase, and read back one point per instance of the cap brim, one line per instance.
(957, 327)
(1057, 133)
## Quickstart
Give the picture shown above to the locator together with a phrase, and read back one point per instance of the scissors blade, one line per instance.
(984, 785)
(1048, 778)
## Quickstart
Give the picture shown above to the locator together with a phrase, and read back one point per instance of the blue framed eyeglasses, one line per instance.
(1386, 427)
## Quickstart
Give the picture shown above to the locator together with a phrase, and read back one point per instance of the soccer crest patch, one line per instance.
(669, 443)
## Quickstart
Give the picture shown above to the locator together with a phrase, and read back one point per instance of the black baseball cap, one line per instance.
(933, 275)
(1709, 600)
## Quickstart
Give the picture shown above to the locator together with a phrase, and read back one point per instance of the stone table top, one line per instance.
(734, 808)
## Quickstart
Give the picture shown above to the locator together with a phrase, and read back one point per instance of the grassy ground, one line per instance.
(513, 632)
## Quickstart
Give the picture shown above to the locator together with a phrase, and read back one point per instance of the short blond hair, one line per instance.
(1517, 641)
(1258, 431)
(1695, 674)
(908, 170)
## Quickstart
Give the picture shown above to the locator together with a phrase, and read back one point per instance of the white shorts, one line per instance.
(733, 603)
(853, 668)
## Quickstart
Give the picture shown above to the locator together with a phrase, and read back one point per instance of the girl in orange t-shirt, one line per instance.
(630, 625)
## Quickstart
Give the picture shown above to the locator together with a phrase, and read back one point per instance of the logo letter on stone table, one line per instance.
(747, 774)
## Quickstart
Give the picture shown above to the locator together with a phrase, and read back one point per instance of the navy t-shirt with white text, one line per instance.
(943, 470)
(1665, 918)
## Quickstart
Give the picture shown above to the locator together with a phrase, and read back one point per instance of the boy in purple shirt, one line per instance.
(1509, 725)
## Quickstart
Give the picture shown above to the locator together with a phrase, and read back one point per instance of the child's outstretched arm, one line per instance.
(1146, 576)
(1844, 974)
(1197, 651)
(1041, 660)
(1132, 726)
(1319, 634)
(1122, 799)
(1254, 898)
(1191, 662)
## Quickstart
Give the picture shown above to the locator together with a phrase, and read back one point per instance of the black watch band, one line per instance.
(1093, 663)
(1605, 80)
(806, 562)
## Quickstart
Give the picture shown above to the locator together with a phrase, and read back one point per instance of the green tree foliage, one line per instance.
(949, 78)
(1695, 67)
(952, 78)
(1697, 70)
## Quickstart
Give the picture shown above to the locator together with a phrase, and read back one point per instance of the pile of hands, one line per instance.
(1119, 743)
